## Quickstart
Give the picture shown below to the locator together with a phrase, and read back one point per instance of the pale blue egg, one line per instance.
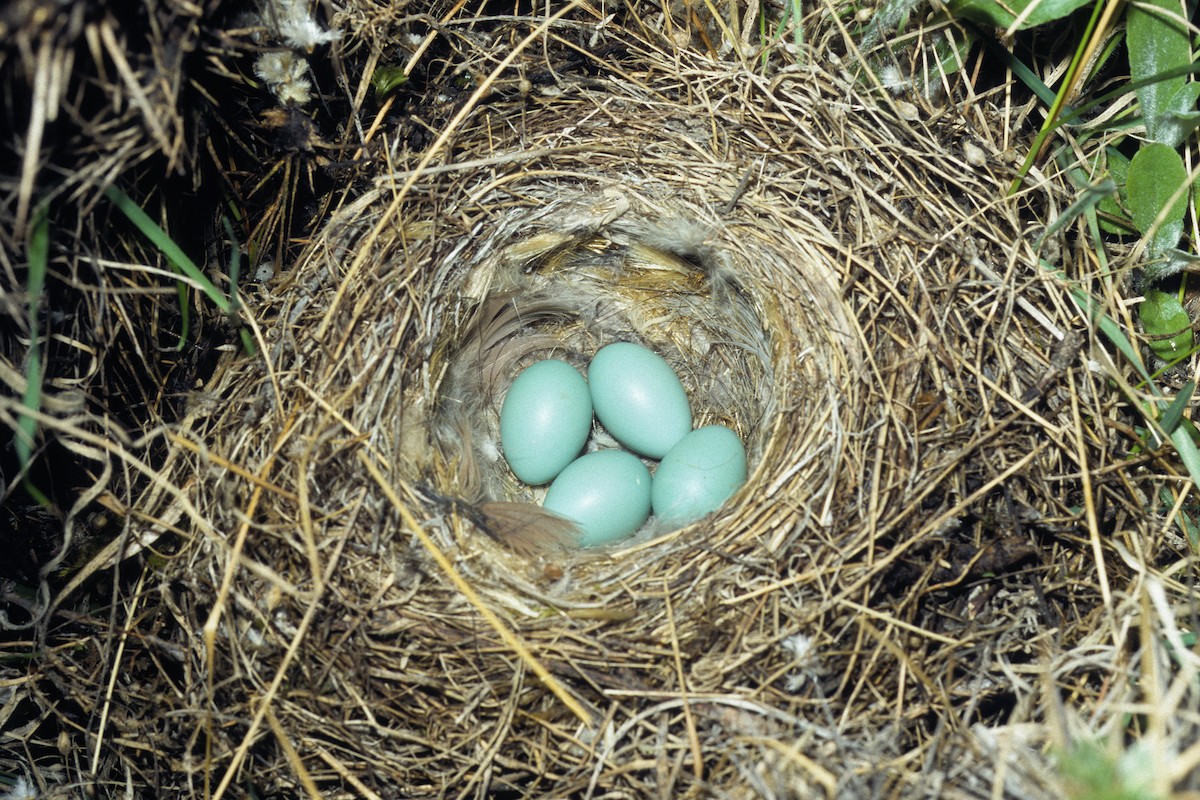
(638, 398)
(545, 420)
(698, 475)
(606, 493)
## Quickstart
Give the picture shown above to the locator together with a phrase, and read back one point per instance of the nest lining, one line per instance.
(617, 272)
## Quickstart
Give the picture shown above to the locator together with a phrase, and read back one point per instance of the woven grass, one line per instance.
(945, 568)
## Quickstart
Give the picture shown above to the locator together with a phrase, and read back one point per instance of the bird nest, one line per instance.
(357, 602)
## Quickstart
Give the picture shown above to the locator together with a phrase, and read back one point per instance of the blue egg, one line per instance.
(606, 493)
(545, 420)
(638, 398)
(698, 475)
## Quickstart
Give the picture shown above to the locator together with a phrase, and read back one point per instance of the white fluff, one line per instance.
(293, 22)
(799, 645)
(21, 790)
(892, 79)
(285, 74)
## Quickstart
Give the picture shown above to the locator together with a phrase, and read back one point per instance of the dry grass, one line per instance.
(947, 566)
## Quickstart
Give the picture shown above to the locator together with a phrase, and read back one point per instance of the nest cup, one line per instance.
(747, 318)
(602, 264)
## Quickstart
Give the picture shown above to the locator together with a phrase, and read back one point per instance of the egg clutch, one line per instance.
(546, 420)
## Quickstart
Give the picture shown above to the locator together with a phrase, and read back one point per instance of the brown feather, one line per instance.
(528, 530)
(492, 340)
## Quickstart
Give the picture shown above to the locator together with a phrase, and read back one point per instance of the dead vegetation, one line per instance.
(955, 559)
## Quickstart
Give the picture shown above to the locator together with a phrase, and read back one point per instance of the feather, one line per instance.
(494, 349)
(462, 454)
(528, 530)
(526, 253)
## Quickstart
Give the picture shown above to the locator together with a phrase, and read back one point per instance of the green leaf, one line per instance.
(1093, 770)
(1003, 15)
(1158, 42)
(386, 79)
(1155, 175)
(1163, 315)
(1170, 261)
(1181, 121)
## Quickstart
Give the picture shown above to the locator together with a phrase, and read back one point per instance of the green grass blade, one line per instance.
(1088, 199)
(159, 238)
(1090, 306)
(39, 258)
(1186, 524)
(1180, 437)
(1111, 330)
(1060, 100)
(1174, 412)
(32, 401)
(247, 341)
(235, 261)
(1033, 81)
(1076, 115)
(235, 274)
(1188, 452)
